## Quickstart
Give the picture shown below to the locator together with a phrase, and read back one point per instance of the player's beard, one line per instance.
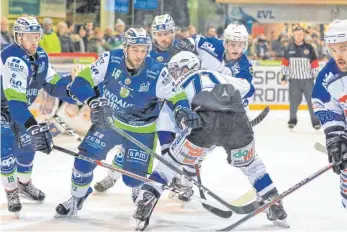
(165, 45)
(135, 65)
(342, 64)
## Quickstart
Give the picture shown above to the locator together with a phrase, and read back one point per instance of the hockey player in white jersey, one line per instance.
(329, 98)
(217, 99)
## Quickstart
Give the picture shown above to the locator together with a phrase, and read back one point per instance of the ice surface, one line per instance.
(289, 157)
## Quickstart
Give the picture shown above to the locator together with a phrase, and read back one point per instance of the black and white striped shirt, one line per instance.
(300, 62)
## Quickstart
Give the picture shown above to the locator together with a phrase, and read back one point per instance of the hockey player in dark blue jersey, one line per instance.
(163, 35)
(329, 98)
(25, 70)
(125, 84)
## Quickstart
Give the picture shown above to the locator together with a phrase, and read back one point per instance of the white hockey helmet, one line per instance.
(183, 60)
(163, 23)
(136, 36)
(337, 32)
(25, 25)
(236, 32)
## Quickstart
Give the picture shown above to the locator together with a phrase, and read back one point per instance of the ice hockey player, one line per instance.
(226, 56)
(217, 99)
(126, 84)
(25, 70)
(329, 98)
(163, 35)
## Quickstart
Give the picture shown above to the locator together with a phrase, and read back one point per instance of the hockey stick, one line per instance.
(66, 126)
(278, 198)
(260, 117)
(219, 212)
(320, 147)
(236, 209)
(127, 173)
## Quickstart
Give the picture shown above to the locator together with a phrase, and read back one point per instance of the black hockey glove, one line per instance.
(100, 111)
(337, 152)
(41, 138)
(187, 117)
(185, 45)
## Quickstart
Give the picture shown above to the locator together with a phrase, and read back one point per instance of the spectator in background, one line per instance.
(70, 28)
(211, 32)
(185, 33)
(50, 41)
(117, 40)
(283, 48)
(6, 37)
(192, 30)
(178, 34)
(317, 46)
(262, 47)
(79, 40)
(300, 67)
(276, 45)
(97, 44)
(89, 26)
(65, 40)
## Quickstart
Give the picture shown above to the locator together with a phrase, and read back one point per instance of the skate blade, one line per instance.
(24, 196)
(281, 223)
(141, 225)
(17, 215)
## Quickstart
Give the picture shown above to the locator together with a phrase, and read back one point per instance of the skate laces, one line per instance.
(31, 189)
(107, 182)
(13, 197)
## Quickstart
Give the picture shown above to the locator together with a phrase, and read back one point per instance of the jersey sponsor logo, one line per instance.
(7, 163)
(15, 65)
(41, 54)
(144, 87)
(95, 71)
(152, 74)
(328, 116)
(243, 156)
(166, 78)
(115, 59)
(138, 155)
(317, 105)
(95, 142)
(14, 83)
(116, 102)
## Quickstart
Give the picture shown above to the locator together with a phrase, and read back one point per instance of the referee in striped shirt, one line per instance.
(300, 68)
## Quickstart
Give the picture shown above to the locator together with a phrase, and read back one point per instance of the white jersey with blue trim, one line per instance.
(329, 98)
(194, 82)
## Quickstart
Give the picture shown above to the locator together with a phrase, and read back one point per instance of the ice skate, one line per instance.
(276, 213)
(145, 202)
(70, 207)
(14, 205)
(30, 192)
(107, 183)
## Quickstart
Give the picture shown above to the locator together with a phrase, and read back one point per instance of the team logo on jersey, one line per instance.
(41, 67)
(124, 92)
(127, 81)
(306, 52)
(144, 87)
(160, 58)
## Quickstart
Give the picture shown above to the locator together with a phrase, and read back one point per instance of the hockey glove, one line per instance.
(185, 45)
(100, 112)
(337, 152)
(187, 117)
(41, 138)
